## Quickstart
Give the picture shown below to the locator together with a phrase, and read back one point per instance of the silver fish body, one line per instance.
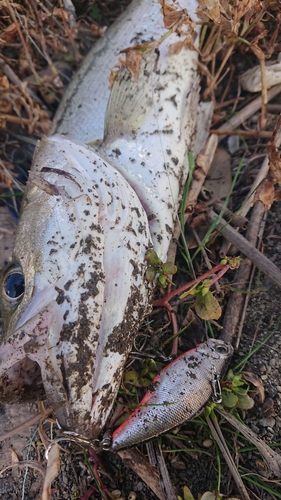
(81, 114)
(177, 394)
(146, 126)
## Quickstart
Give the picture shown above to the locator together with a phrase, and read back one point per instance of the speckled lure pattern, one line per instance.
(177, 394)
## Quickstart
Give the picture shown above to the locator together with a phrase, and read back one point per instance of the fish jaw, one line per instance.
(83, 264)
(178, 393)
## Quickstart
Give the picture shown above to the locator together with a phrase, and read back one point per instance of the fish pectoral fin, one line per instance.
(131, 98)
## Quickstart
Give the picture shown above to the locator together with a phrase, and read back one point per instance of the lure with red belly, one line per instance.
(177, 394)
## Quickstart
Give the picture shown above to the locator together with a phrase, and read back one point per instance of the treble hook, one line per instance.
(79, 439)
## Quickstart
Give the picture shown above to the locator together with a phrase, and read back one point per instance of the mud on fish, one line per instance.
(74, 294)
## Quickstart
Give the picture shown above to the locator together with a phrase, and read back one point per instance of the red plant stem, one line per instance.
(88, 493)
(175, 330)
(219, 275)
(165, 300)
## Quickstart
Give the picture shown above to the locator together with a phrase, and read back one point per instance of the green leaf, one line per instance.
(208, 495)
(152, 257)
(145, 381)
(209, 410)
(230, 375)
(150, 273)
(229, 399)
(162, 281)
(207, 306)
(94, 12)
(238, 381)
(132, 377)
(149, 366)
(169, 268)
(187, 495)
(245, 402)
(240, 391)
(204, 291)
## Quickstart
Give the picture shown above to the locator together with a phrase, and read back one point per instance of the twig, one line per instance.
(275, 109)
(256, 134)
(262, 173)
(72, 21)
(233, 315)
(43, 43)
(25, 47)
(248, 111)
(11, 75)
(261, 223)
(136, 460)
(70, 9)
(165, 480)
(25, 463)
(233, 219)
(217, 434)
(14, 119)
(245, 301)
(262, 262)
(273, 459)
(211, 87)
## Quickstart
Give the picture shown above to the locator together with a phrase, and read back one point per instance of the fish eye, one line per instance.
(222, 349)
(13, 285)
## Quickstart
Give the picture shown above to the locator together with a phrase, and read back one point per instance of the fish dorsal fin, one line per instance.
(131, 98)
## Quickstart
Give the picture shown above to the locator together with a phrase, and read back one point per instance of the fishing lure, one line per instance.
(177, 394)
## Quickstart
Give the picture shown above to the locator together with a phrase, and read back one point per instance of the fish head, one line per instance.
(76, 264)
(50, 257)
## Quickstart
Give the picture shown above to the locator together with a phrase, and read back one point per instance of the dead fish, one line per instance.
(81, 114)
(177, 394)
(68, 296)
(75, 294)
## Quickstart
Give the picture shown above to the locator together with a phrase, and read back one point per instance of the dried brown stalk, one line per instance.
(256, 134)
(249, 110)
(22, 39)
(233, 219)
(232, 318)
(248, 249)
(218, 436)
(136, 460)
(272, 457)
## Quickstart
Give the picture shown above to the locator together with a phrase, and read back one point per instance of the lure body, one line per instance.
(177, 394)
